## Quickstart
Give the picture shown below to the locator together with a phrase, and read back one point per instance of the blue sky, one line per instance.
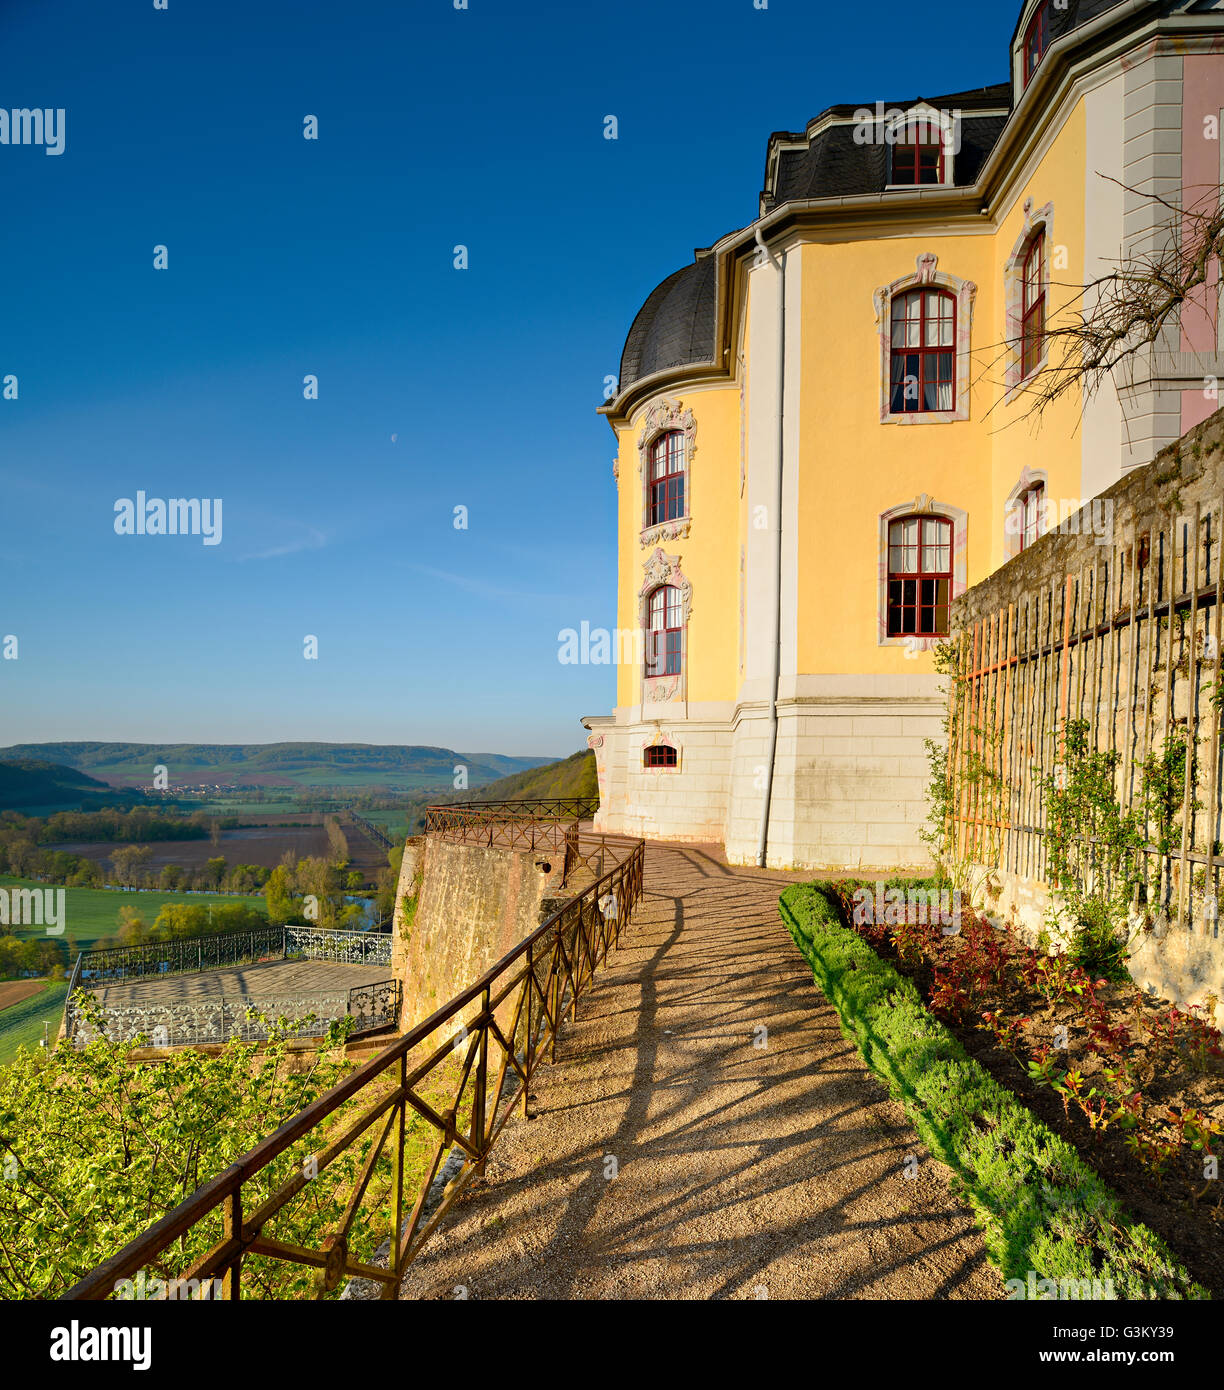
(437, 127)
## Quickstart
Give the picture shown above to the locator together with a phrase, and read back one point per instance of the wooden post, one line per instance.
(231, 1229)
(528, 1031)
(1183, 884)
(1214, 823)
(390, 1291)
(477, 1135)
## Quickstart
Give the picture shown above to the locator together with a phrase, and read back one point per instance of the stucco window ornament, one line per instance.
(1031, 485)
(1038, 226)
(660, 754)
(951, 341)
(666, 417)
(921, 507)
(661, 570)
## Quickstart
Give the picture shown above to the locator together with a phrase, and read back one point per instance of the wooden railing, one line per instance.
(350, 1155)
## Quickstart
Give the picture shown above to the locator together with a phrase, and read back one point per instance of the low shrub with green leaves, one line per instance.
(95, 1147)
(1040, 1207)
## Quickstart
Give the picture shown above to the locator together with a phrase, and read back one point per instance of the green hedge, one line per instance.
(1040, 1207)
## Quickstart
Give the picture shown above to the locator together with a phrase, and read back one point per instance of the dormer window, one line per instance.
(921, 143)
(1036, 40)
(919, 161)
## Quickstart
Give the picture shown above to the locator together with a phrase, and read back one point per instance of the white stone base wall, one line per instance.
(849, 784)
(688, 802)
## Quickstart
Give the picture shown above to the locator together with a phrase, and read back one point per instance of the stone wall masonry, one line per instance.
(1121, 631)
(459, 909)
(850, 785)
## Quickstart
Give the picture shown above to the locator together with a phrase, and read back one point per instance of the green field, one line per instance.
(395, 780)
(393, 823)
(93, 913)
(21, 1024)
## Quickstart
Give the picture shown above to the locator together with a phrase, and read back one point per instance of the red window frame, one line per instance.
(664, 631)
(659, 755)
(920, 588)
(666, 478)
(930, 366)
(1031, 506)
(1033, 307)
(1036, 40)
(909, 165)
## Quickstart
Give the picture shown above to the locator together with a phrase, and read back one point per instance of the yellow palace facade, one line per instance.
(822, 429)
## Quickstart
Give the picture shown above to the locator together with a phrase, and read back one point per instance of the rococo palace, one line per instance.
(825, 433)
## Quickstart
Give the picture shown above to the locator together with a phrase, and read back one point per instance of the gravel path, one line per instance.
(740, 1171)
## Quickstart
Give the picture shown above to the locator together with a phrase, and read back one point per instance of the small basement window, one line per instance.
(659, 755)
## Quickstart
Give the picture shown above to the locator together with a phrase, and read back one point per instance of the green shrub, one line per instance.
(1040, 1207)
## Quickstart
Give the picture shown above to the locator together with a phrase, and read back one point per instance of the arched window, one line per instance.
(923, 352)
(1036, 40)
(1032, 306)
(666, 478)
(919, 576)
(659, 755)
(1031, 514)
(665, 632)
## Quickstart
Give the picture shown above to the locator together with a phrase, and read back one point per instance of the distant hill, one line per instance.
(506, 766)
(303, 766)
(573, 776)
(35, 783)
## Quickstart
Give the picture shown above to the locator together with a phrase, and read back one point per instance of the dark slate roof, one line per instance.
(1077, 14)
(675, 327)
(833, 165)
(977, 98)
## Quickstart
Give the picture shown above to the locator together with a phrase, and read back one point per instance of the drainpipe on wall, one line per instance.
(776, 621)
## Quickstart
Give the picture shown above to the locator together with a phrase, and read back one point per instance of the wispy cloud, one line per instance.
(479, 587)
(311, 538)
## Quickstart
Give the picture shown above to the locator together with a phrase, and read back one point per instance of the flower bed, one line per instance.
(1042, 1207)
